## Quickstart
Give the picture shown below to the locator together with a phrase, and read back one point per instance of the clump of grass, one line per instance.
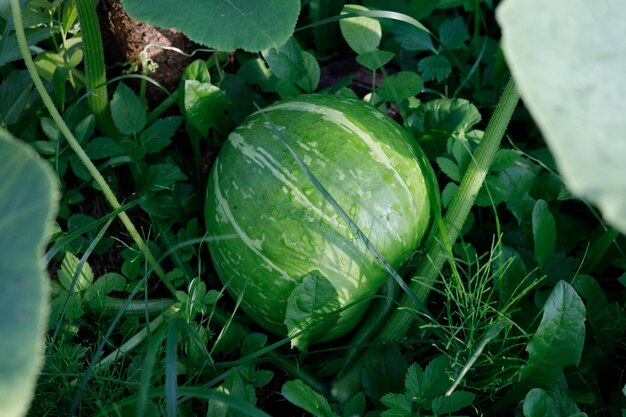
(476, 325)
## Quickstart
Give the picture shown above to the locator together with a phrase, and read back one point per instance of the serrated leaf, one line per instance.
(224, 25)
(448, 194)
(311, 308)
(85, 128)
(401, 85)
(79, 168)
(374, 59)
(538, 404)
(355, 406)
(160, 177)
(453, 33)
(398, 403)
(128, 112)
(411, 38)
(413, 382)
(578, 115)
(71, 266)
(303, 396)
(96, 294)
(102, 147)
(72, 308)
(28, 203)
(159, 134)
(453, 402)
(492, 192)
(363, 34)
(450, 168)
(383, 371)
(504, 158)
(435, 68)
(559, 340)
(436, 378)
(544, 232)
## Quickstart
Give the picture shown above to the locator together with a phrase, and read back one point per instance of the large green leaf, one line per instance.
(226, 25)
(569, 59)
(27, 204)
(559, 339)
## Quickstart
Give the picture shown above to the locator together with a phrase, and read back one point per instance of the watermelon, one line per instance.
(277, 243)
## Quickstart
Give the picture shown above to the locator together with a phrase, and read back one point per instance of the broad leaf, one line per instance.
(290, 63)
(434, 122)
(204, 105)
(160, 177)
(414, 381)
(401, 85)
(311, 309)
(102, 147)
(72, 271)
(286, 61)
(363, 34)
(399, 405)
(383, 371)
(544, 232)
(453, 33)
(355, 406)
(559, 339)
(436, 378)
(538, 404)
(303, 396)
(311, 79)
(435, 68)
(96, 294)
(374, 59)
(570, 75)
(225, 25)
(14, 96)
(27, 205)
(159, 134)
(412, 38)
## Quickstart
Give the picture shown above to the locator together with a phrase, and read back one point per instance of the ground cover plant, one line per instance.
(136, 280)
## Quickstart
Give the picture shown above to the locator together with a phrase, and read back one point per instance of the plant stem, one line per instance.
(56, 116)
(438, 248)
(95, 74)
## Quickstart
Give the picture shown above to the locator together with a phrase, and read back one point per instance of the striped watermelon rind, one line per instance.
(281, 227)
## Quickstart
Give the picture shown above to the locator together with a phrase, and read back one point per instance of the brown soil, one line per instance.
(125, 38)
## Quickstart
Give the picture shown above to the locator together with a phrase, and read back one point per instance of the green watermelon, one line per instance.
(275, 240)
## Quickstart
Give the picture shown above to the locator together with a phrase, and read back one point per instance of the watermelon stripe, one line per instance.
(338, 118)
(254, 245)
(263, 159)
